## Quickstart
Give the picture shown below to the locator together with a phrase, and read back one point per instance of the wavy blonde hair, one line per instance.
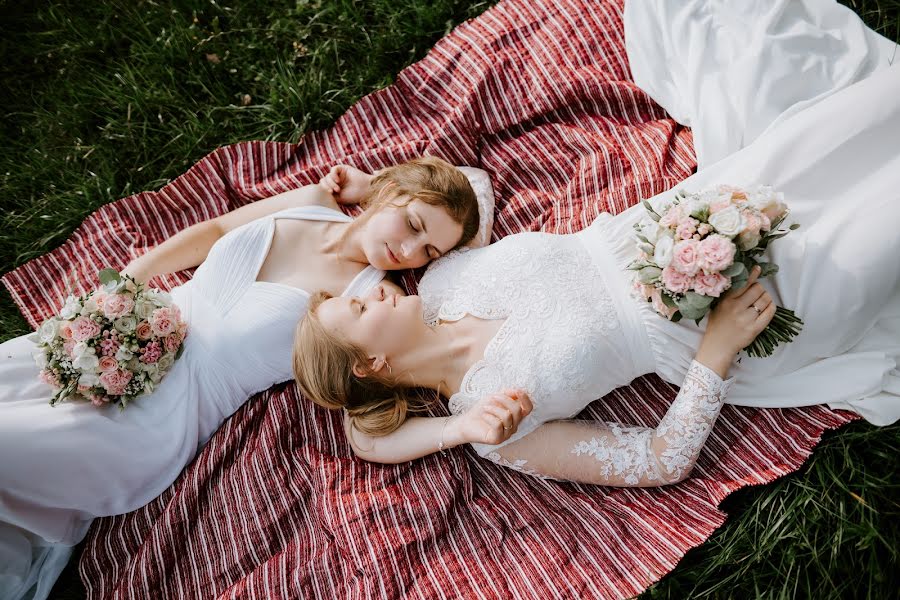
(324, 369)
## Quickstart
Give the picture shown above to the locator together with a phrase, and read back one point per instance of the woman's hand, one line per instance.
(493, 419)
(736, 320)
(347, 184)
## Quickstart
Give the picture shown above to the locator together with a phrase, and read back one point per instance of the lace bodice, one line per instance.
(558, 345)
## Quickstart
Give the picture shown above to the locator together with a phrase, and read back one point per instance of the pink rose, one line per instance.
(65, 330)
(766, 222)
(98, 399)
(99, 298)
(672, 217)
(69, 347)
(686, 228)
(172, 342)
(143, 331)
(711, 284)
(685, 257)
(716, 253)
(752, 222)
(151, 353)
(114, 382)
(84, 329)
(83, 388)
(117, 305)
(660, 306)
(49, 377)
(162, 322)
(108, 363)
(676, 281)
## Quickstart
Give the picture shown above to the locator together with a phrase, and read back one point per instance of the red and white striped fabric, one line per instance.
(539, 94)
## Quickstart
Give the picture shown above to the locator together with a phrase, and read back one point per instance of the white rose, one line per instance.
(165, 361)
(143, 309)
(694, 206)
(662, 256)
(80, 349)
(48, 330)
(87, 362)
(727, 222)
(71, 308)
(114, 286)
(123, 353)
(125, 324)
(89, 379)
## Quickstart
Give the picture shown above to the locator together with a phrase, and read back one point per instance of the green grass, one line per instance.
(102, 99)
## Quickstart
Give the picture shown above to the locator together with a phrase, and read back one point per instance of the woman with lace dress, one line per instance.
(527, 332)
(63, 466)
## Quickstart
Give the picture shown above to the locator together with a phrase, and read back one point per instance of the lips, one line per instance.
(391, 255)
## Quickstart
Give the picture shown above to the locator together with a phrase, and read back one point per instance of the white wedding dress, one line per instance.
(573, 331)
(63, 466)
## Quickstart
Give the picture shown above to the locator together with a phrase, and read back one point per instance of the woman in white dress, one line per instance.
(63, 466)
(553, 316)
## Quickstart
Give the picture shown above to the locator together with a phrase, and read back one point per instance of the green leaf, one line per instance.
(735, 270)
(698, 300)
(109, 276)
(649, 274)
(794, 226)
(180, 351)
(668, 300)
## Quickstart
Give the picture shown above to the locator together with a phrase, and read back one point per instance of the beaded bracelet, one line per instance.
(441, 441)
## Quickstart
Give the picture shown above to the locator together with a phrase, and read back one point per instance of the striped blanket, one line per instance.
(538, 93)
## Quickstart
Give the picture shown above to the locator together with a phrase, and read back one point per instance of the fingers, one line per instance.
(751, 280)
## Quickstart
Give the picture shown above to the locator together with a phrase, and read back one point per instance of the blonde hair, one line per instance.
(431, 180)
(323, 367)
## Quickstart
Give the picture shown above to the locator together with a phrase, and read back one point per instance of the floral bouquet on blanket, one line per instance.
(110, 345)
(696, 246)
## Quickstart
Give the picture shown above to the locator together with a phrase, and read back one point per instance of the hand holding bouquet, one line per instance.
(696, 246)
(110, 345)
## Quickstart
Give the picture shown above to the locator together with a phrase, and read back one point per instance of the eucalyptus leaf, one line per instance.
(649, 274)
(109, 276)
(735, 270)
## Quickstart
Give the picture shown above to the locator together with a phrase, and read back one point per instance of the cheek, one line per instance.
(386, 226)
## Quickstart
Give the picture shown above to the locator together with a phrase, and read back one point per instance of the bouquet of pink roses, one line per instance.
(110, 345)
(696, 246)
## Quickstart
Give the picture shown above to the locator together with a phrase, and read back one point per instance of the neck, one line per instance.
(344, 240)
(441, 360)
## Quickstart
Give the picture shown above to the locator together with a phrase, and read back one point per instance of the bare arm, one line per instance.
(491, 420)
(190, 247)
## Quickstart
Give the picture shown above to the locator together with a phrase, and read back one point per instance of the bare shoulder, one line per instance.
(313, 195)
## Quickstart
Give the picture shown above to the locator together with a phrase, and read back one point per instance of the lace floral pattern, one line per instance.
(553, 342)
(627, 456)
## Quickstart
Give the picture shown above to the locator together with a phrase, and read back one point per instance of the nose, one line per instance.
(377, 293)
(410, 247)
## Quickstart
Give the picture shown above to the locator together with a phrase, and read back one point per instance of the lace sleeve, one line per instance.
(619, 455)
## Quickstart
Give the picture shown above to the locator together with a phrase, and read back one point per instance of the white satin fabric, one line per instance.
(63, 466)
(730, 69)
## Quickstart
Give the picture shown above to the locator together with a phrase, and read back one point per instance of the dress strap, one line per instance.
(312, 212)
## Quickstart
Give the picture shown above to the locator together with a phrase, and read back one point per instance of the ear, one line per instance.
(376, 364)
